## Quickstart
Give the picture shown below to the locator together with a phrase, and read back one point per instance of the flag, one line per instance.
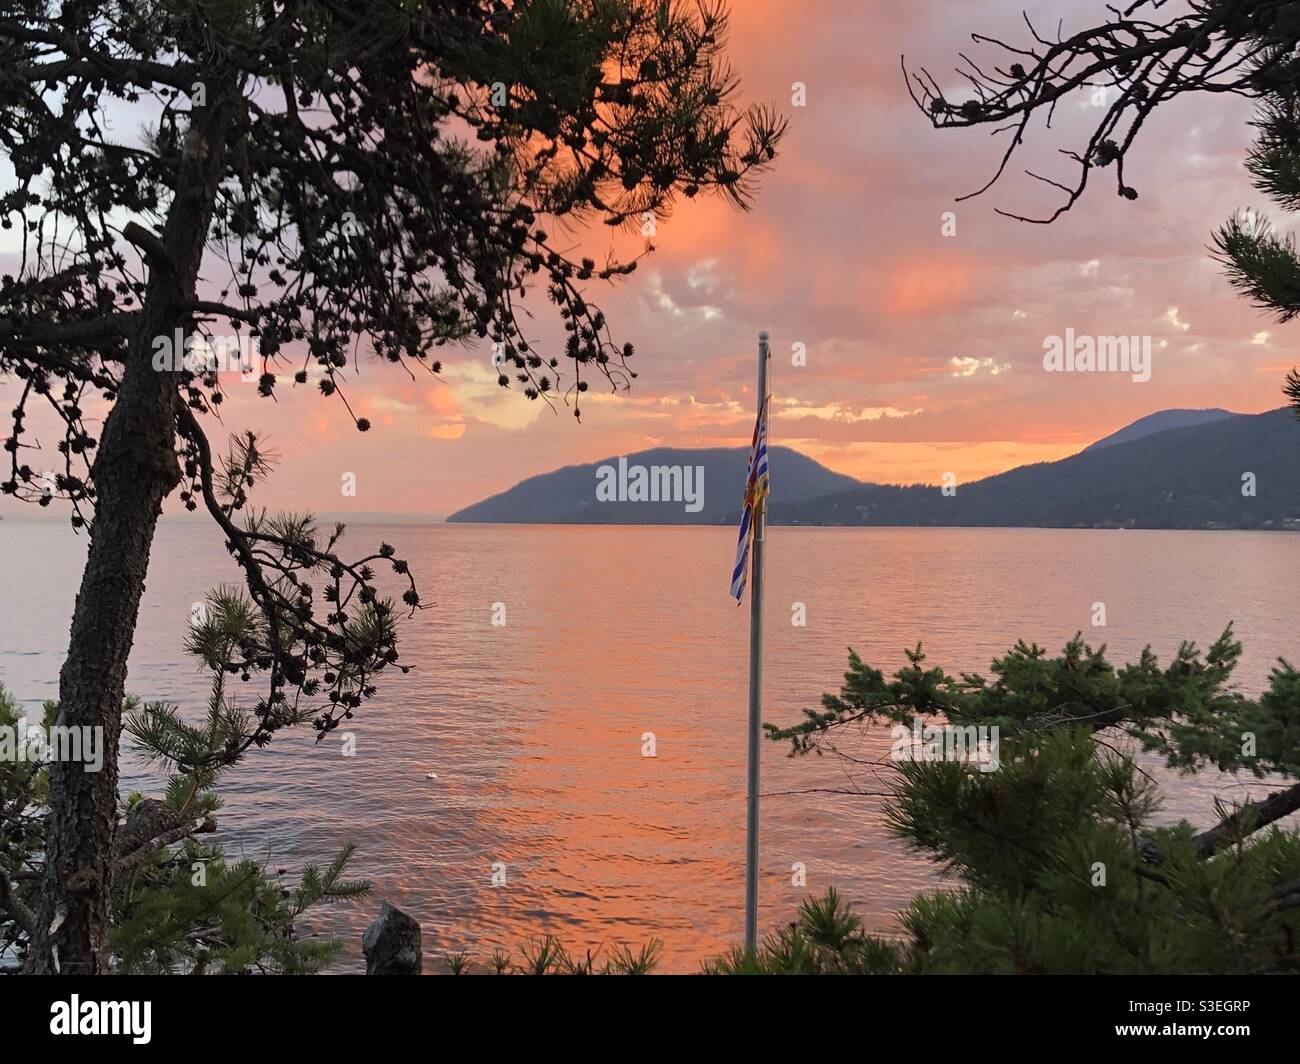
(756, 486)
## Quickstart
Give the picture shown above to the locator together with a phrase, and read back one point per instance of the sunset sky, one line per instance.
(924, 352)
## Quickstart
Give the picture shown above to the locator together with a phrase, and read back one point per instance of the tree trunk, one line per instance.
(135, 469)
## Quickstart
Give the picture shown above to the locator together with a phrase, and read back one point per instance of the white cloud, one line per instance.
(965, 366)
(474, 384)
(794, 408)
(703, 275)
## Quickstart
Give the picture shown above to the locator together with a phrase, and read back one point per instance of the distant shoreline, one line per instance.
(418, 521)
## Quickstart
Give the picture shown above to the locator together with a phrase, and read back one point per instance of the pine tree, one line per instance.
(178, 904)
(1135, 59)
(1262, 263)
(381, 179)
(1059, 861)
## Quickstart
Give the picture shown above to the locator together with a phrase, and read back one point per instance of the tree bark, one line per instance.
(1258, 814)
(135, 469)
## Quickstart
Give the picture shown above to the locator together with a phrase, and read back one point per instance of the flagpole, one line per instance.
(755, 681)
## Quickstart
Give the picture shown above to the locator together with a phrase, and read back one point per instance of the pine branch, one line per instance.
(17, 909)
(1261, 264)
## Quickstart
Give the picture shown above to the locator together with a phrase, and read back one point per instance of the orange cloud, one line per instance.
(441, 399)
(924, 285)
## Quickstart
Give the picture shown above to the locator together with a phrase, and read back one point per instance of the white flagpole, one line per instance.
(755, 680)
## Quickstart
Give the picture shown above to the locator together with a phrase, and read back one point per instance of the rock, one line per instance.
(392, 944)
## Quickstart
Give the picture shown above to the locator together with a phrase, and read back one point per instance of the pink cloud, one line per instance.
(845, 254)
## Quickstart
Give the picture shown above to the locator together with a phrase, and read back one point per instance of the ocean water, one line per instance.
(536, 729)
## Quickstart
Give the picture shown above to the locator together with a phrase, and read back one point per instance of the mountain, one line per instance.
(1188, 477)
(1158, 422)
(569, 495)
(1172, 469)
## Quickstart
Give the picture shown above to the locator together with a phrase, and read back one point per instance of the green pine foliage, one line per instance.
(24, 790)
(547, 955)
(179, 904)
(192, 910)
(1261, 263)
(826, 939)
(1187, 711)
(1058, 861)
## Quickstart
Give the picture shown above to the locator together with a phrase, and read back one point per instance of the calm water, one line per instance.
(534, 729)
